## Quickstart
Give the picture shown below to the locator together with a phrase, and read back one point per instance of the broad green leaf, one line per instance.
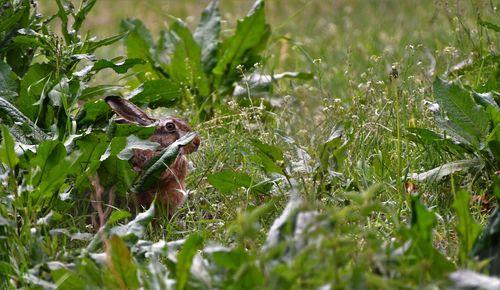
(467, 228)
(11, 116)
(469, 279)
(134, 230)
(228, 181)
(33, 86)
(185, 258)
(117, 216)
(271, 151)
(250, 35)
(126, 129)
(93, 45)
(121, 67)
(115, 146)
(268, 156)
(139, 40)
(330, 155)
(486, 99)
(140, 45)
(67, 279)
(468, 119)
(91, 146)
(121, 264)
(161, 92)
(7, 154)
(165, 48)
(257, 84)
(266, 162)
(486, 246)
(441, 171)
(186, 66)
(158, 165)
(427, 137)
(493, 142)
(92, 112)
(9, 84)
(100, 90)
(82, 14)
(207, 35)
(117, 173)
(232, 259)
(54, 165)
(423, 221)
(133, 143)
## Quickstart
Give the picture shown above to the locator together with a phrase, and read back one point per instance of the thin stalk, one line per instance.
(394, 92)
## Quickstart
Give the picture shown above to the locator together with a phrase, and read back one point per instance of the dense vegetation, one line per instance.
(344, 145)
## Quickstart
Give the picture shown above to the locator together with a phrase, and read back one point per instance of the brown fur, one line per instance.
(170, 191)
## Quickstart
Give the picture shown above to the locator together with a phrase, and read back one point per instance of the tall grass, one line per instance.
(331, 202)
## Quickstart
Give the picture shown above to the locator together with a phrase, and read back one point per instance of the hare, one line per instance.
(171, 187)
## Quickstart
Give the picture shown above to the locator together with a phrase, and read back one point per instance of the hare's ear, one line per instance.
(128, 111)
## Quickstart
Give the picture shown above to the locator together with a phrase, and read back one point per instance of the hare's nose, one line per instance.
(196, 142)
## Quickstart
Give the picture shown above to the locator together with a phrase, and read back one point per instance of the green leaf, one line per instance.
(427, 137)
(185, 259)
(91, 146)
(121, 265)
(7, 154)
(423, 221)
(133, 142)
(92, 112)
(117, 173)
(207, 35)
(121, 67)
(100, 90)
(9, 84)
(158, 165)
(67, 279)
(82, 14)
(467, 119)
(117, 216)
(52, 166)
(268, 156)
(185, 66)
(228, 181)
(161, 92)
(467, 228)
(489, 25)
(267, 163)
(33, 86)
(332, 151)
(123, 147)
(250, 35)
(134, 230)
(444, 170)
(485, 99)
(487, 244)
(271, 151)
(126, 129)
(93, 45)
(257, 84)
(139, 40)
(231, 260)
(493, 142)
(11, 116)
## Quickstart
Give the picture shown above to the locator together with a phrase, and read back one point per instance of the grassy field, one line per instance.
(334, 201)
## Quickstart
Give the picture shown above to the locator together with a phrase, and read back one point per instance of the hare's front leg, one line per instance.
(172, 192)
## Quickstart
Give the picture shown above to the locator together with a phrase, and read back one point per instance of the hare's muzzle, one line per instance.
(196, 142)
(193, 146)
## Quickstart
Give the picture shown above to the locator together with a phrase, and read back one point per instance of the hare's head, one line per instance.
(168, 129)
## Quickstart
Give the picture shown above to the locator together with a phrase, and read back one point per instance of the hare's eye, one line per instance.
(170, 127)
